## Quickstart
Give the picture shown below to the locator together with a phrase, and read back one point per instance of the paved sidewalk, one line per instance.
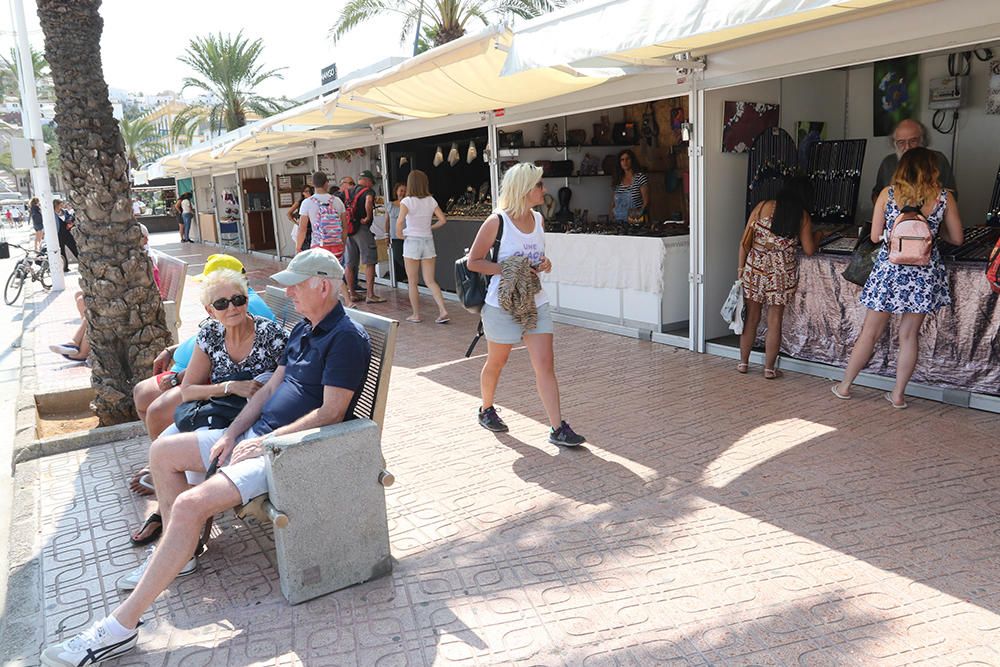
(713, 519)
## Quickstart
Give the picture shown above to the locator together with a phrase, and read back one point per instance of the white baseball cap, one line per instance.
(312, 263)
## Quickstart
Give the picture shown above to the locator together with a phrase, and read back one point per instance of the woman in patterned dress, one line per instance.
(231, 342)
(769, 265)
(911, 291)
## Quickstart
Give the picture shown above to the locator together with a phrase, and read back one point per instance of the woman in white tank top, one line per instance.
(523, 235)
(415, 226)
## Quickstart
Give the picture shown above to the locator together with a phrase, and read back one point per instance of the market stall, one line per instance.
(156, 199)
(620, 263)
(852, 110)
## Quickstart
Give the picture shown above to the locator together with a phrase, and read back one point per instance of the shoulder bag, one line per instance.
(215, 412)
(471, 286)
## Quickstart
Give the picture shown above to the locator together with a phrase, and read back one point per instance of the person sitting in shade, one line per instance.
(317, 383)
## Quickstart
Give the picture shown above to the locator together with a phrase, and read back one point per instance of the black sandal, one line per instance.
(152, 537)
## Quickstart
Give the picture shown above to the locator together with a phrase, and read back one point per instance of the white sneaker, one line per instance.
(131, 580)
(92, 646)
(65, 350)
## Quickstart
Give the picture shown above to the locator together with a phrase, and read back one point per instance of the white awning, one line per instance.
(607, 33)
(460, 77)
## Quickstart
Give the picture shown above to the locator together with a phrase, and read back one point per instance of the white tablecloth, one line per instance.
(617, 262)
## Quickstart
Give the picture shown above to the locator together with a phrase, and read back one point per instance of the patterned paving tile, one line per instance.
(713, 519)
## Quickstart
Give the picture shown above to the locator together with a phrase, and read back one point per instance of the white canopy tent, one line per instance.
(617, 33)
(462, 76)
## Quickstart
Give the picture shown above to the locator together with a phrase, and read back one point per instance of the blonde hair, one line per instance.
(917, 179)
(517, 184)
(221, 277)
(416, 185)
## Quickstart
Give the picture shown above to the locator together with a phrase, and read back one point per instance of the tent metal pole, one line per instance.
(273, 194)
(491, 142)
(386, 196)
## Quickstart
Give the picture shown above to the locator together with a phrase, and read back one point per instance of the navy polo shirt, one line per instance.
(333, 353)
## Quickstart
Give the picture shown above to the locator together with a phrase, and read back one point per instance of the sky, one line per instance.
(142, 40)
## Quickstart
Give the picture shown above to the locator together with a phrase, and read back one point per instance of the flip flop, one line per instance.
(843, 397)
(356, 298)
(899, 406)
(375, 299)
(772, 373)
(442, 320)
(141, 483)
(742, 368)
(415, 320)
(152, 537)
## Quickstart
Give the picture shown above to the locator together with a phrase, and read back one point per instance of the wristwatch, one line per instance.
(173, 380)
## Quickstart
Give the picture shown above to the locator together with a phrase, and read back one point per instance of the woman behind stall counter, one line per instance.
(293, 217)
(630, 188)
(523, 235)
(911, 291)
(769, 265)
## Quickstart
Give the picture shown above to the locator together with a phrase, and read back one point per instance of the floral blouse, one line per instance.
(268, 345)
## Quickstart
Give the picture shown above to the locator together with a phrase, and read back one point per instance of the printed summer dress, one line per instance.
(898, 288)
(771, 273)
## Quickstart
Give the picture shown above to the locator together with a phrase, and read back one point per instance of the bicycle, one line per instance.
(35, 267)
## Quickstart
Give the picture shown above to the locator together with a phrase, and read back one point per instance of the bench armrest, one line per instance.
(316, 458)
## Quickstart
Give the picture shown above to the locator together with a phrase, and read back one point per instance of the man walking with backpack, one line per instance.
(324, 214)
(361, 240)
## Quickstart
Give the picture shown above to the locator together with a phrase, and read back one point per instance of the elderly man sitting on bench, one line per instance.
(316, 384)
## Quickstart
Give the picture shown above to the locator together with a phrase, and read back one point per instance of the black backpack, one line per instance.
(471, 286)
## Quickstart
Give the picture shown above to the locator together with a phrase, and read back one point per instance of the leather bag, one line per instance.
(862, 261)
(910, 239)
(215, 412)
(471, 286)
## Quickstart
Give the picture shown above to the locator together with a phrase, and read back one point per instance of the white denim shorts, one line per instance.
(500, 327)
(419, 247)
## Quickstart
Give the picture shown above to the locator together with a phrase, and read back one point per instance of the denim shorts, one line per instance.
(500, 326)
(419, 247)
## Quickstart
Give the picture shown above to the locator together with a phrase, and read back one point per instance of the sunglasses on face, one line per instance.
(223, 303)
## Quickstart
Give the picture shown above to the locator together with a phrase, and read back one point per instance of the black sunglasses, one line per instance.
(223, 304)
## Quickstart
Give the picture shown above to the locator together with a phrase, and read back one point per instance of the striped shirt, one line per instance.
(638, 180)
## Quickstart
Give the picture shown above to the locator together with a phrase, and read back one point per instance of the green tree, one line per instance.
(143, 142)
(8, 71)
(441, 21)
(228, 69)
(127, 327)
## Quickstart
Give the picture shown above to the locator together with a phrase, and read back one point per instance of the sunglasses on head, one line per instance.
(223, 303)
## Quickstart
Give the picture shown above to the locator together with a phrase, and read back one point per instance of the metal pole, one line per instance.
(272, 192)
(32, 128)
(386, 197)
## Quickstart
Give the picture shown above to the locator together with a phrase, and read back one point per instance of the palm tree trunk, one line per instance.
(127, 327)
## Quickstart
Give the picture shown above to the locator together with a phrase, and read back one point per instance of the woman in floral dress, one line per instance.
(911, 291)
(769, 266)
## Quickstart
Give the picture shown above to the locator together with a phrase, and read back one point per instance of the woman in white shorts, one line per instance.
(523, 235)
(418, 210)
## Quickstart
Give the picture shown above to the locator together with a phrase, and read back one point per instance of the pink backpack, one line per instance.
(910, 239)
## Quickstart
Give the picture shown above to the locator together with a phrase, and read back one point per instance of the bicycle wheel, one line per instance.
(14, 285)
(45, 276)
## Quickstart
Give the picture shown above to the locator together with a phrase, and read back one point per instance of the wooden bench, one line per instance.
(173, 272)
(326, 495)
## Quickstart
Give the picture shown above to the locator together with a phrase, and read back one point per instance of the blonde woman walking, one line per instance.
(415, 225)
(523, 236)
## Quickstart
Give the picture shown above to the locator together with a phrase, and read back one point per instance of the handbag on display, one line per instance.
(215, 412)
(625, 134)
(471, 286)
(862, 260)
(510, 139)
(576, 137)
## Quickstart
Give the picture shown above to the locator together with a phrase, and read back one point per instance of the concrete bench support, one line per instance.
(326, 482)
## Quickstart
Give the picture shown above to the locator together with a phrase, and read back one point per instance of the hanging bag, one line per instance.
(862, 260)
(471, 286)
(4, 246)
(910, 239)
